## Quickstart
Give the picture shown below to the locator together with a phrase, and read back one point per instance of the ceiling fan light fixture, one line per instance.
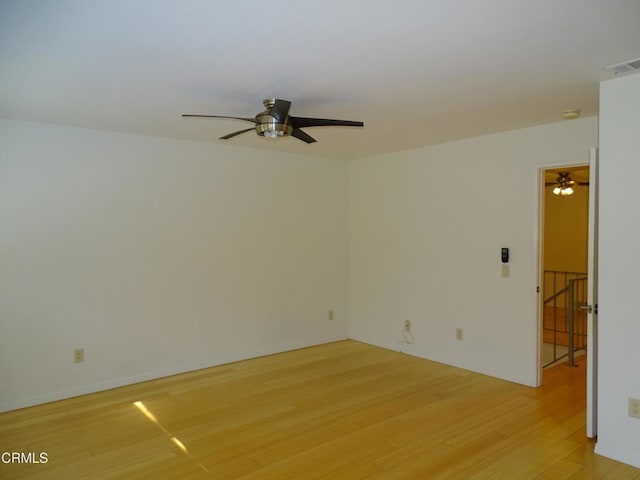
(565, 184)
(563, 191)
(273, 129)
(272, 134)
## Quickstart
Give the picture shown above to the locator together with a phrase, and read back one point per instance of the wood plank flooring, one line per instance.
(344, 410)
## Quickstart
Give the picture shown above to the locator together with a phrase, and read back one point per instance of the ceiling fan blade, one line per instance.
(280, 110)
(231, 135)
(300, 135)
(302, 122)
(252, 120)
(551, 184)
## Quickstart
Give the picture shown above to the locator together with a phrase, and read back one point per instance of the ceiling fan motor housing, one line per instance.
(267, 126)
(274, 121)
(565, 180)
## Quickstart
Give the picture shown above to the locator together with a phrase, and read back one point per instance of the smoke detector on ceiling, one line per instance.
(625, 67)
(571, 114)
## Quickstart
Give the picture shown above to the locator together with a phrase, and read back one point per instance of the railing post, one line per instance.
(570, 323)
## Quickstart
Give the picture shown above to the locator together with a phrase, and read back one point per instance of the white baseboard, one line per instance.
(625, 456)
(153, 375)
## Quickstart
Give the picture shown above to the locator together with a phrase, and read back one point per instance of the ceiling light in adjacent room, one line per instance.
(564, 185)
(563, 191)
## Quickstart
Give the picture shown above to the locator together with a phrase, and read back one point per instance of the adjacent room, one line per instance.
(308, 240)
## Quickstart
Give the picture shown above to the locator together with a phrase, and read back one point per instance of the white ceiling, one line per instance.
(416, 72)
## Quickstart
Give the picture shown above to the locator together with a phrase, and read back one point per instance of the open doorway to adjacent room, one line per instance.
(564, 261)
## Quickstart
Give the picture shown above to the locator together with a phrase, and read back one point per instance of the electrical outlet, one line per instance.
(634, 407)
(330, 315)
(78, 355)
(458, 334)
(407, 325)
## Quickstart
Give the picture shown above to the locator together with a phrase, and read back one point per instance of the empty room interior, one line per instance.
(308, 240)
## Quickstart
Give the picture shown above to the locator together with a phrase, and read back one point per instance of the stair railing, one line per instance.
(569, 290)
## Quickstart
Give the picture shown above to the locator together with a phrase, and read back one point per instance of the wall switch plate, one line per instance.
(407, 325)
(505, 271)
(78, 355)
(459, 334)
(634, 407)
(330, 315)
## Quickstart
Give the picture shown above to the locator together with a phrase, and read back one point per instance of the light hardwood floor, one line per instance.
(344, 410)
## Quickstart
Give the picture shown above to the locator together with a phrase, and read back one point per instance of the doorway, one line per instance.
(564, 264)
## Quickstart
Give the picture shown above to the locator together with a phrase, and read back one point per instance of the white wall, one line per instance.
(619, 269)
(566, 221)
(159, 256)
(426, 228)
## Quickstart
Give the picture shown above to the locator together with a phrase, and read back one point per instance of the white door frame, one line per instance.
(592, 299)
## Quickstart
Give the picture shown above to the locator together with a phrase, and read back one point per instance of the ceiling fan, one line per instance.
(275, 122)
(564, 184)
